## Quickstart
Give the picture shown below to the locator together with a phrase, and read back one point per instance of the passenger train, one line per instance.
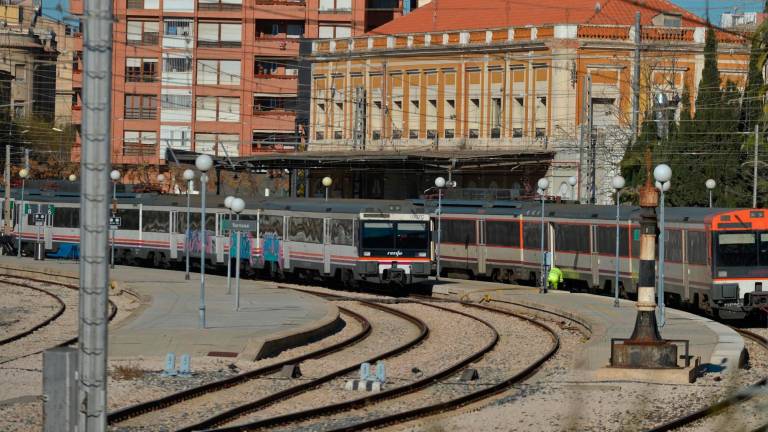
(380, 242)
(716, 259)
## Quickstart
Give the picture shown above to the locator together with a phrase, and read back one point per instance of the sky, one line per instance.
(698, 7)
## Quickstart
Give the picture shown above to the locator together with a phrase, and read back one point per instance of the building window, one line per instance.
(177, 28)
(224, 72)
(140, 69)
(413, 119)
(176, 107)
(274, 29)
(275, 67)
(383, 5)
(335, 5)
(139, 143)
(143, 4)
(273, 141)
(220, 5)
(19, 110)
(219, 35)
(517, 132)
(474, 118)
(227, 145)
(330, 31)
(217, 108)
(20, 72)
(143, 32)
(141, 107)
(541, 133)
(449, 114)
(273, 103)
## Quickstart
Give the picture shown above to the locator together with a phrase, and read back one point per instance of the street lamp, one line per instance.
(189, 177)
(115, 176)
(228, 205)
(72, 178)
(237, 205)
(23, 173)
(543, 184)
(663, 174)
(161, 180)
(440, 184)
(327, 182)
(203, 163)
(710, 184)
(572, 182)
(618, 184)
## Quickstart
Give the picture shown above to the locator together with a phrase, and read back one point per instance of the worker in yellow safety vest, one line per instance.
(555, 277)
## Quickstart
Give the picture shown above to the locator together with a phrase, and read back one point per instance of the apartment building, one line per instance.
(215, 76)
(487, 78)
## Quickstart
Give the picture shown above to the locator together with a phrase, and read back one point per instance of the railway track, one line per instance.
(188, 399)
(45, 331)
(732, 401)
(298, 420)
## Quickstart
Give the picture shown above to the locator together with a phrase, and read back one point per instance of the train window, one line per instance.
(697, 247)
(572, 238)
(271, 224)
(532, 236)
(67, 217)
(155, 221)
(673, 245)
(605, 240)
(457, 231)
(412, 235)
(129, 219)
(378, 235)
(763, 249)
(736, 250)
(305, 229)
(502, 233)
(342, 232)
(181, 222)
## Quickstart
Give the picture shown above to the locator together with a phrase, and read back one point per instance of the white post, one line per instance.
(754, 169)
(237, 271)
(203, 187)
(662, 238)
(229, 255)
(439, 229)
(21, 216)
(618, 236)
(188, 233)
(114, 205)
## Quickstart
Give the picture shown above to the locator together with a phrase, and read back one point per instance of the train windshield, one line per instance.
(395, 235)
(734, 250)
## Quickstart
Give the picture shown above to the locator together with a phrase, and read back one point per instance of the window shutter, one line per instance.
(231, 32)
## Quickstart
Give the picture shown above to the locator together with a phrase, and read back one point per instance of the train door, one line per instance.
(173, 247)
(594, 262)
(219, 239)
(326, 246)
(686, 275)
(482, 251)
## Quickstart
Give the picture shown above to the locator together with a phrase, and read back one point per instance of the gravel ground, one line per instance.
(559, 397)
(520, 344)
(452, 337)
(21, 407)
(388, 331)
(22, 308)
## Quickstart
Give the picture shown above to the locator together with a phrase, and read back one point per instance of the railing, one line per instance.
(141, 113)
(135, 4)
(141, 77)
(138, 149)
(221, 7)
(280, 2)
(272, 110)
(218, 44)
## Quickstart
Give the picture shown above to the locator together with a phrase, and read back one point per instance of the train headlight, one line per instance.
(422, 254)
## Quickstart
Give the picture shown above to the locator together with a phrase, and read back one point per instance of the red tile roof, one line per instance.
(453, 15)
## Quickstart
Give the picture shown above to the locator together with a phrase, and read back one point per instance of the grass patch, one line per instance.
(127, 372)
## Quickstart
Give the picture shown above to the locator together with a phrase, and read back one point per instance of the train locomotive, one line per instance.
(349, 241)
(716, 260)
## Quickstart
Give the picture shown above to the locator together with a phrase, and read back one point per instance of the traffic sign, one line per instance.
(115, 222)
(39, 219)
(27, 208)
(51, 209)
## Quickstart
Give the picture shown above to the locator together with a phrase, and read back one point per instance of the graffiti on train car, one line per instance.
(195, 242)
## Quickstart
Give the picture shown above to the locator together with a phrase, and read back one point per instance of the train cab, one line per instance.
(394, 248)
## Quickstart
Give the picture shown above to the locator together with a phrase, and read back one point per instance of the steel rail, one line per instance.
(742, 395)
(384, 395)
(59, 311)
(175, 398)
(234, 413)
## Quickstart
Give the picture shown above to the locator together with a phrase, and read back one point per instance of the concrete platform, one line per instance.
(269, 320)
(720, 348)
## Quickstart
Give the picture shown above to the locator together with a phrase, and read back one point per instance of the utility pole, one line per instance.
(95, 168)
(584, 95)
(7, 206)
(636, 81)
(754, 169)
(358, 139)
(592, 142)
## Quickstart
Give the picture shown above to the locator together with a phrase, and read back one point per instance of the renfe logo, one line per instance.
(395, 253)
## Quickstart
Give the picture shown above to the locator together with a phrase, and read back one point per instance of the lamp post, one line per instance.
(543, 184)
(23, 173)
(663, 174)
(115, 176)
(710, 184)
(228, 205)
(203, 163)
(618, 184)
(572, 182)
(189, 177)
(327, 182)
(237, 206)
(440, 184)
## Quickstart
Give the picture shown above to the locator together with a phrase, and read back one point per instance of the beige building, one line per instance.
(497, 81)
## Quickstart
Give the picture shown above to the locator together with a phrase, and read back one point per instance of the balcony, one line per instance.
(141, 113)
(280, 84)
(274, 119)
(218, 44)
(267, 46)
(218, 6)
(146, 39)
(141, 78)
(280, 9)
